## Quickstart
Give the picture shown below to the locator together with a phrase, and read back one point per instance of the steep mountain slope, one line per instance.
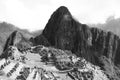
(95, 45)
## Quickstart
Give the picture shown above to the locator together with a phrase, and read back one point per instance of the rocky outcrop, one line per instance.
(10, 40)
(18, 40)
(95, 45)
(6, 29)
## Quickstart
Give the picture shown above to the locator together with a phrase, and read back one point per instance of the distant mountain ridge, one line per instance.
(112, 24)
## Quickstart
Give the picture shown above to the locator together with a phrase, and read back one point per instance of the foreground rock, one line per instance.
(95, 45)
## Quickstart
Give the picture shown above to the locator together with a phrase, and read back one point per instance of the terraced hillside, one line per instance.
(47, 63)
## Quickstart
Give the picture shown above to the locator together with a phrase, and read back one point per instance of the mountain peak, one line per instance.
(60, 14)
(62, 9)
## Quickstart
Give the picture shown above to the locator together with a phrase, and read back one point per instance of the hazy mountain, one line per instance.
(36, 33)
(111, 24)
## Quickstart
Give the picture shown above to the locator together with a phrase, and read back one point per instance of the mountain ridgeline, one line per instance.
(97, 46)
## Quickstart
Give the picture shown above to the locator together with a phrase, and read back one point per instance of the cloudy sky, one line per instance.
(34, 14)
